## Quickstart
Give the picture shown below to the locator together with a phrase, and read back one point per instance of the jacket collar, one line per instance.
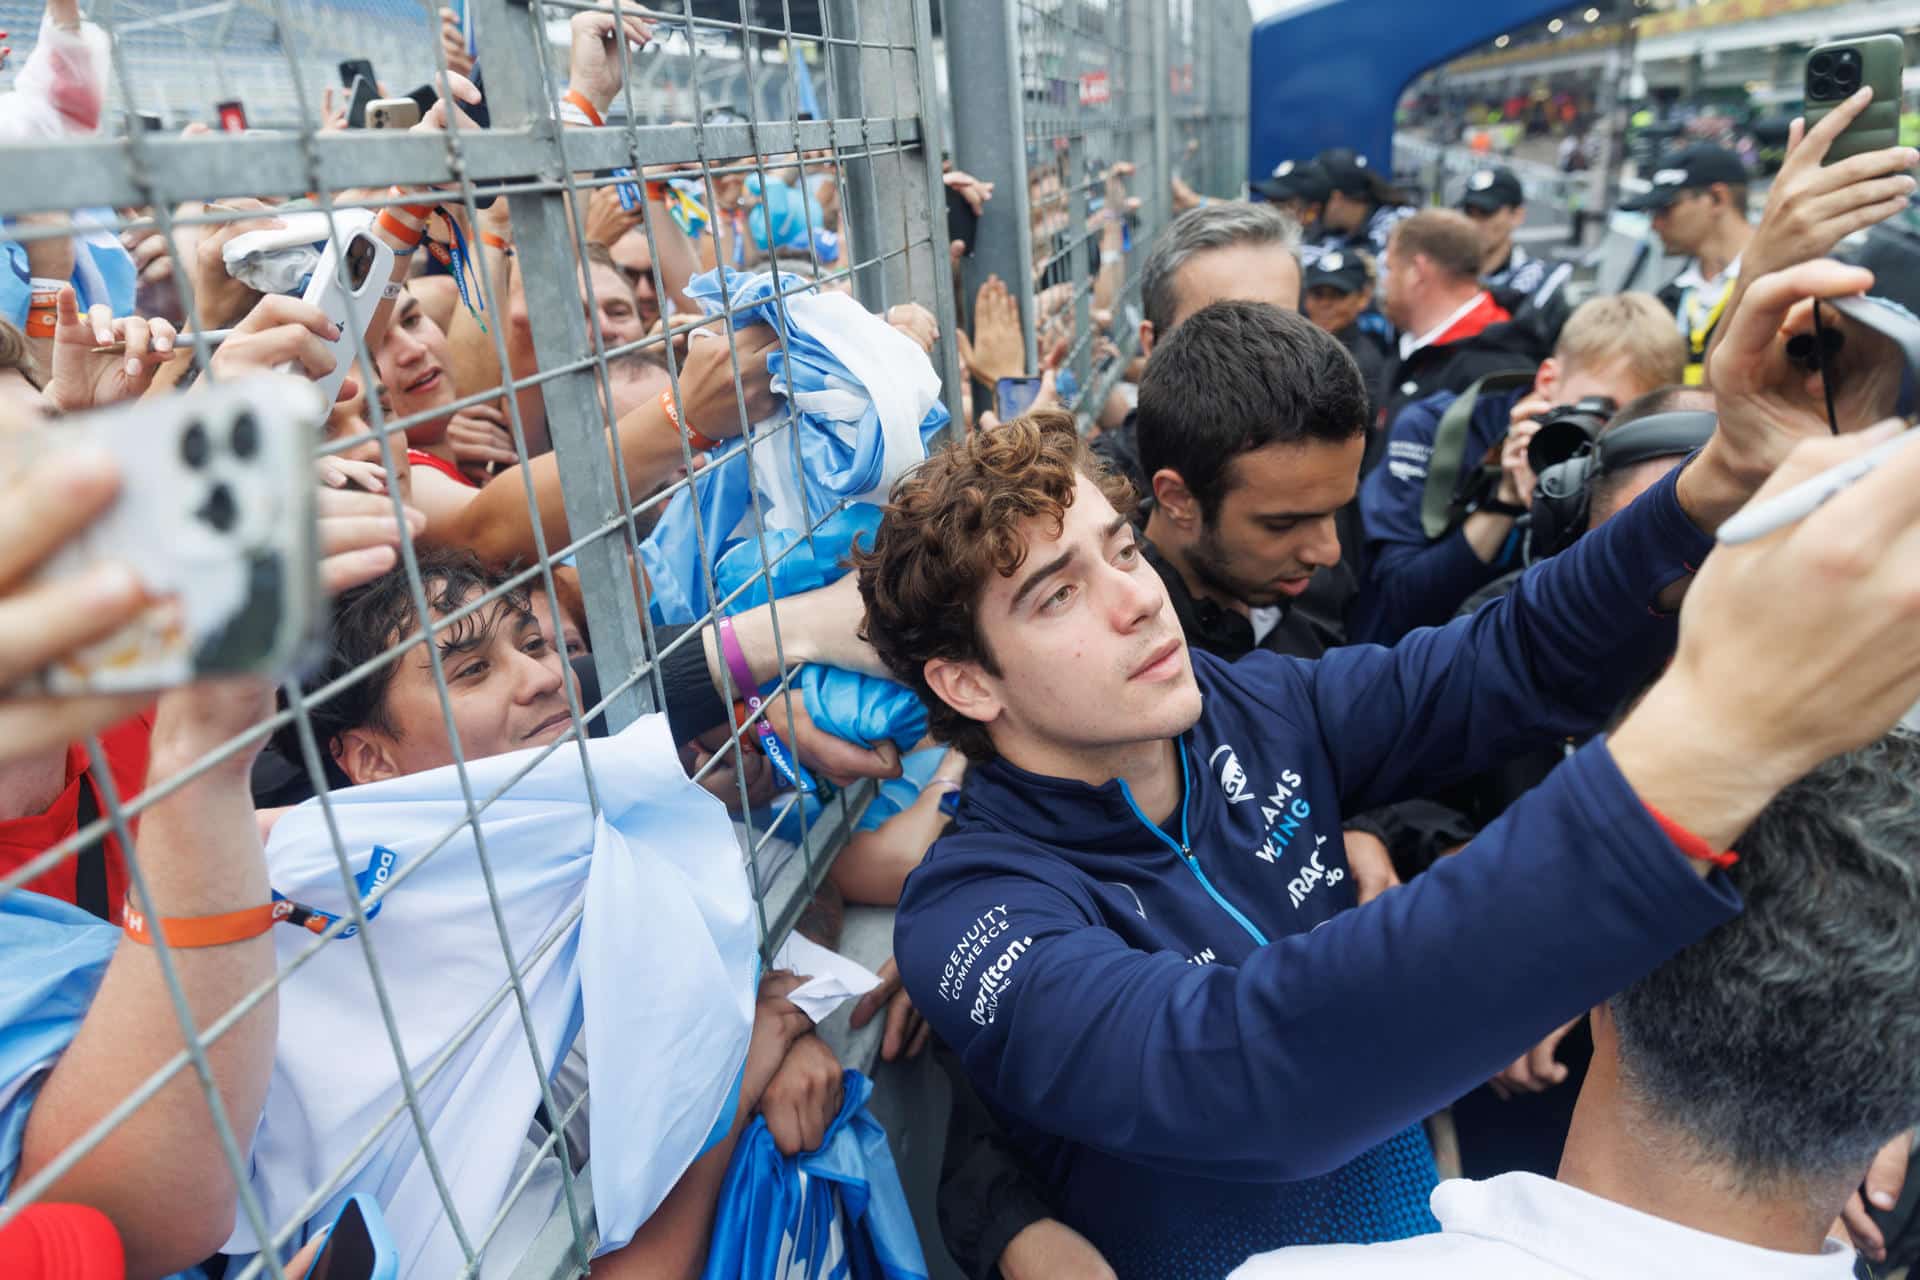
(1072, 815)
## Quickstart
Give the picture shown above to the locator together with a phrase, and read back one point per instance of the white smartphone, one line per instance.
(351, 301)
(393, 113)
(215, 516)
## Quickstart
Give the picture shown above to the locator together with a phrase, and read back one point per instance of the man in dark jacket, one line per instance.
(1092, 936)
(1616, 347)
(1528, 287)
(1453, 330)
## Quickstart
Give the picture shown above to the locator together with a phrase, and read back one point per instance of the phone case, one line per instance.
(216, 517)
(1879, 62)
(350, 302)
(393, 113)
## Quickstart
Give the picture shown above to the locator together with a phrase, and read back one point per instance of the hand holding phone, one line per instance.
(214, 516)
(1838, 70)
(348, 297)
(1014, 396)
(362, 93)
(393, 113)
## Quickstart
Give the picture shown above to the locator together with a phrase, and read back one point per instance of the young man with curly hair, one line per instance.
(1139, 933)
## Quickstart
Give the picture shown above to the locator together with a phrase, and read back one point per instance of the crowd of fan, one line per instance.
(1325, 417)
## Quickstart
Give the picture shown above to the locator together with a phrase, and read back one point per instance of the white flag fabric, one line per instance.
(655, 959)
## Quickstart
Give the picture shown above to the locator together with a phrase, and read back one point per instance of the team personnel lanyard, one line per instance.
(1698, 332)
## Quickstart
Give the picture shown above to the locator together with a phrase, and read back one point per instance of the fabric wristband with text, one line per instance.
(703, 443)
(736, 660)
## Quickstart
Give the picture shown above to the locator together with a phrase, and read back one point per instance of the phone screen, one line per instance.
(350, 1254)
(1014, 396)
(233, 116)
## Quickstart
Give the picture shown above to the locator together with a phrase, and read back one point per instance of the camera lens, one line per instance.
(1820, 87)
(246, 436)
(1846, 77)
(219, 510)
(1821, 64)
(194, 446)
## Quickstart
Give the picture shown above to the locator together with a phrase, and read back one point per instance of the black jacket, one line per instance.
(1454, 366)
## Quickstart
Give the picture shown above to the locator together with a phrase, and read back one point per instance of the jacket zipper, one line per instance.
(1185, 847)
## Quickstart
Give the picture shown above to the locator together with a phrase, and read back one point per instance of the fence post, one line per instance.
(860, 202)
(1160, 162)
(513, 47)
(989, 141)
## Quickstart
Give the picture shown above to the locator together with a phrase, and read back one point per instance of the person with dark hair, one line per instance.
(1440, 523)
(1741, 1090)
(1362, 207)
(1138, 936)
(1337, 292)
(1698, 206)
(1497, 205)
(1300, 191)
(506, 674)
(1220, 251)
(1252, 422)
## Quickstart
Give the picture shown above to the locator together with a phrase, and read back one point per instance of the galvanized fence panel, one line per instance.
(1048, 98)
(854, 95)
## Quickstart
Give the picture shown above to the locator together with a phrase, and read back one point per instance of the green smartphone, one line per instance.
(1835, 73)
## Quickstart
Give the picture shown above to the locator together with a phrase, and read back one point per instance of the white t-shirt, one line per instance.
(1522, 1225)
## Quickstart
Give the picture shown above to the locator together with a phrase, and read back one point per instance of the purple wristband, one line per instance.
(749, 690)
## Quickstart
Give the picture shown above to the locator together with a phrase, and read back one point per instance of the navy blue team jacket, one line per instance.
(1410, 581)
(1205, 1051)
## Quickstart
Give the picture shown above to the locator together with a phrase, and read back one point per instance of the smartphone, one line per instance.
(362, 94)
(392, 113)
(368, 263)
(358, 1247)
(1835, 72)
(356, 69)
(149, 122)
(232, 115)
(963, 224)
(216, 516)
(426, 95)
(1014, 396)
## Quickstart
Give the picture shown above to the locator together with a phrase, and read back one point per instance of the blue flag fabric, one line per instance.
(52, 957)
(865, 400)
(837, 1213)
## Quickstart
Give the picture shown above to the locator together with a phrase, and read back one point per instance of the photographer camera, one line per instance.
(1439, 527)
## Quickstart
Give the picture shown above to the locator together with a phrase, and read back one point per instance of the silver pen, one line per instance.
(1758, 519)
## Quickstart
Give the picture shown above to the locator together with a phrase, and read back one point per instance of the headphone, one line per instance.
(1563, 492)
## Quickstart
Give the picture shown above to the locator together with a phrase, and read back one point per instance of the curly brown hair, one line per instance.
(950, 522)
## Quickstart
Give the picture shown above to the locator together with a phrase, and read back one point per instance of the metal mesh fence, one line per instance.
(723, 106)
(1083, 111)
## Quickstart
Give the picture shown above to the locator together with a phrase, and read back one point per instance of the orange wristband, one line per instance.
(493, 241)
(418, 212)
(694, 438)
(208, 931)
(658, 191)
(578, 100)
(42, 321)
(409, 236)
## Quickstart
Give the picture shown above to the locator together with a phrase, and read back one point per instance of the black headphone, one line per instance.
(1563, 492)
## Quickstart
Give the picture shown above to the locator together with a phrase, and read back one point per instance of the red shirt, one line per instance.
(421, 458)
(23, 839)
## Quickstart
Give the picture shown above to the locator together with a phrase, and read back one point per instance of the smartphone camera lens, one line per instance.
(195, 448)
(1846, 74)
(246, 436)
(1820, 64)
(219, 510)
(1820, 87)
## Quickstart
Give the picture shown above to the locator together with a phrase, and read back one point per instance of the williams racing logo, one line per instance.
(1283, 811)
(1233, 779)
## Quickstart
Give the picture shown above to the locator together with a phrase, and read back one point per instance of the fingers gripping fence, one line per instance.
(1083, 113)
(720, 101)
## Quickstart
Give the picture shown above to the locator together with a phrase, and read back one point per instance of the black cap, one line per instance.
(1692, 169)
(1492, 189)
(1293, 180)
(1335, 269)
(1347, 172)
